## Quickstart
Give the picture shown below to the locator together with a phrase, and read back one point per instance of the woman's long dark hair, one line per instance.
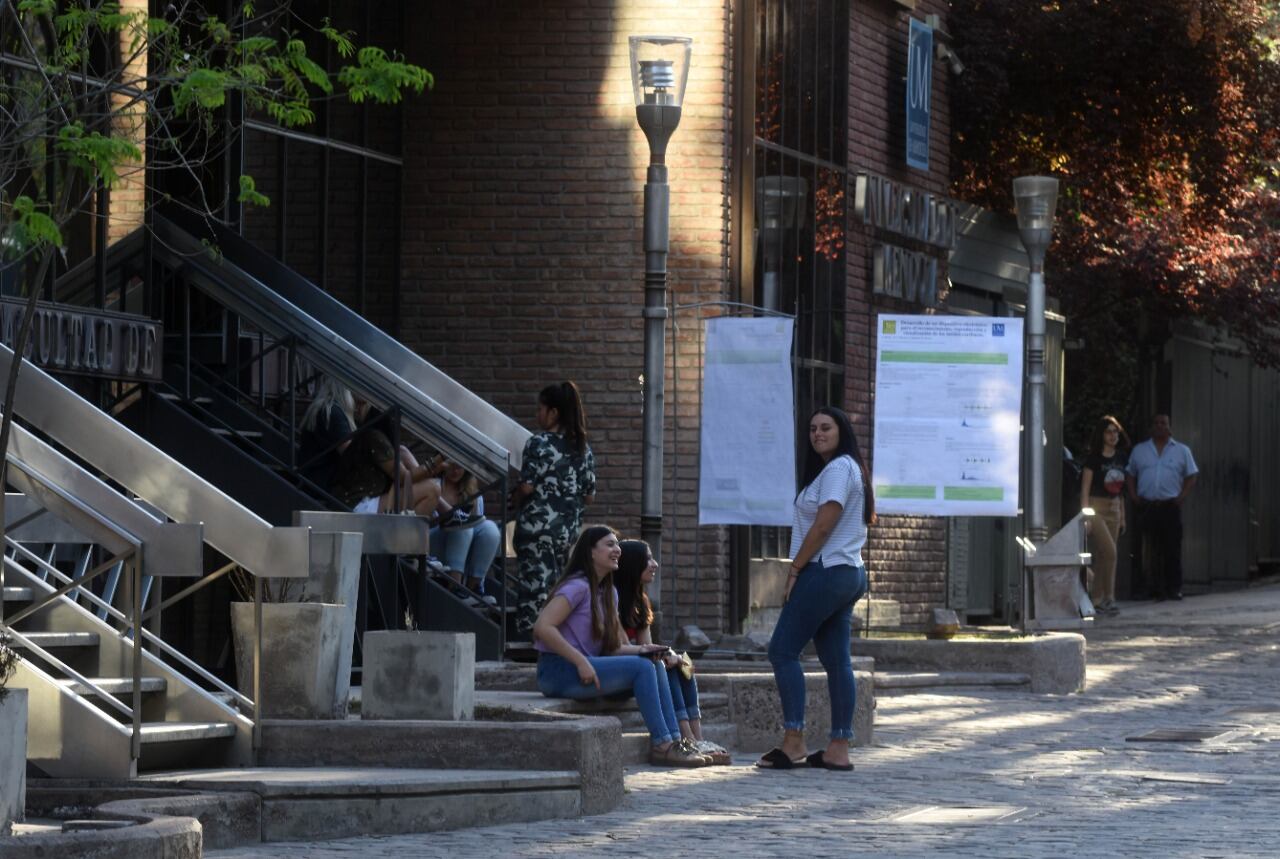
(848, 445)
(604, 609)
(1096, 441)
(633, 603)
(567, 401)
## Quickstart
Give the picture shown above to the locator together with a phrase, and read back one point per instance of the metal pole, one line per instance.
(1037, 533)
(1036, 530)
(657, 204)
(257, 666)
(135, 743)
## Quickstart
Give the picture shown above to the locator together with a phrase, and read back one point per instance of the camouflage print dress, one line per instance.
(550, 520)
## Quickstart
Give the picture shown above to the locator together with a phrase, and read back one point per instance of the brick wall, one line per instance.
(128, 198)
(522, 260)
(906, 555)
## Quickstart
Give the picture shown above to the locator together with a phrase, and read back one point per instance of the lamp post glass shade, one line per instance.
(1036, 198)
(660, 69)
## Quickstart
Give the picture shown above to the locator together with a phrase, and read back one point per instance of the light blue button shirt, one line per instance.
(1160, 475)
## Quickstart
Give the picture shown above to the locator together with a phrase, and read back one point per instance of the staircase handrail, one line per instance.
(151, 474)
(342, 343)
(97, 507)
(32, 647)
(123, 618)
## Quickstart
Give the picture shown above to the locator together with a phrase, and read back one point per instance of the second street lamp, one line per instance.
(659, 72)
(1035, 197)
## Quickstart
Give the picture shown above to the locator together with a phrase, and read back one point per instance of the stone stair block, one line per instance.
(442, 668)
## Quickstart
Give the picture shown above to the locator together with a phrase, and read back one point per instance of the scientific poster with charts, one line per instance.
(748, 423)
(948, 413)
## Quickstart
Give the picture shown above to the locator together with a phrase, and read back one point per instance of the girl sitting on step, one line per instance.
(583, 654)
(636, 569)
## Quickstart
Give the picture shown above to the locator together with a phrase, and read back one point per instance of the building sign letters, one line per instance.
(913, 215)
(68, 339)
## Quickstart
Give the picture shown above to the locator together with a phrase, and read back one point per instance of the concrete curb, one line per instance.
(152, 837)
(1054, 661)
(226, 819)
(587, 744)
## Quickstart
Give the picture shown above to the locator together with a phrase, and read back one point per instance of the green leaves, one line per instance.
(28, 229)
(95, 155)
(250, 195)
(382, 77)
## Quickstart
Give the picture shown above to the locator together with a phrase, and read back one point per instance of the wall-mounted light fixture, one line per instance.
(942, 42)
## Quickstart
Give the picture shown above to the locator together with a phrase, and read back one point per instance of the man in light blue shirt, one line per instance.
(1161, 472)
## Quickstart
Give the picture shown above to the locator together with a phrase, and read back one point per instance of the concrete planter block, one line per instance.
(419, 675)
(303, 674)
(13, 759)
(756, 710)
(335, 579)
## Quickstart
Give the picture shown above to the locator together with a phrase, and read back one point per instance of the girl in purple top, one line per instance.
(583, 654)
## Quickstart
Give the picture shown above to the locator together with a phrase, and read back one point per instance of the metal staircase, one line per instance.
(82, 664)
(246, 336)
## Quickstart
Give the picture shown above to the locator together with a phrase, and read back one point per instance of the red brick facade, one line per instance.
(906, 556)
(521, 254)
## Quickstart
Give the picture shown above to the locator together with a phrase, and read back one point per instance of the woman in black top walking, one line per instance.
(1102, 488)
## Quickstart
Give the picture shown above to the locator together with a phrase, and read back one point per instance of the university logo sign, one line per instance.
(919, 87)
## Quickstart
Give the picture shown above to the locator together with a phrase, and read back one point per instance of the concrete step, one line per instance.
(175, 398)
(889, 682)
(115, 685)
(177, 732)
(323, 803)
(18, 594)
(236, 433)
(49, 640)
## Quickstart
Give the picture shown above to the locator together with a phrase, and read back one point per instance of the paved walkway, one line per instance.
(981, 774)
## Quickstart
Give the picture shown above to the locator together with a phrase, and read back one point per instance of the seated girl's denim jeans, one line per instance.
(820, 609)
(643, 677)
(684, 695)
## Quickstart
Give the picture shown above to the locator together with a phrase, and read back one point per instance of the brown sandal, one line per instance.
(678, 754)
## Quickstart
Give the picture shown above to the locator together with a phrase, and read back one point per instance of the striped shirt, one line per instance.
(839, 481)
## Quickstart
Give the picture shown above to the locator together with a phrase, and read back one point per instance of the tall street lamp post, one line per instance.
(659, 72)
(1036, 197)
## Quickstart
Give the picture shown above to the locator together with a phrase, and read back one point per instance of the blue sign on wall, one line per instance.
(919, 89)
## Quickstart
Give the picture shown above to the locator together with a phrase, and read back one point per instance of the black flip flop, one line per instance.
(776, 759)
(818, 762)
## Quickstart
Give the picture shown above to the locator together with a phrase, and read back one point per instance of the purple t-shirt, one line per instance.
(576, 628)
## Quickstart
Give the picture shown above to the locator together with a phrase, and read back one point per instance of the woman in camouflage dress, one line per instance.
(557, 480)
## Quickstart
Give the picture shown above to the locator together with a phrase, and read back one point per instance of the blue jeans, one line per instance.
(558, 678)
(820, 609)
(684, 695)
(468, 550)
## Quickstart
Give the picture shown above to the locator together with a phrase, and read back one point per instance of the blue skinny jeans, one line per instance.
(820, 609)
(469, 550)
(684, 695)
(558, 678)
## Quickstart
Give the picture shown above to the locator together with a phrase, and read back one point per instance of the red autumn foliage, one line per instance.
(1162, 119)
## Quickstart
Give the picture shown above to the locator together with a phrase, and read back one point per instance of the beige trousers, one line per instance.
(1104, 531)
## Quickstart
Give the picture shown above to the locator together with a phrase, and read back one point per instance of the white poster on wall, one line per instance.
(948, 414)
(748, 423)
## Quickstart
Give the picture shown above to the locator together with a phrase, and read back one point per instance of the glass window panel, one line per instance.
(800, 203)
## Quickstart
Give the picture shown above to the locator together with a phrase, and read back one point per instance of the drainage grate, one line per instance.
(950, 815)
(1177, 735)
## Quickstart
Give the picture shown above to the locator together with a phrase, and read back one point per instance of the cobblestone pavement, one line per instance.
(1002, 774)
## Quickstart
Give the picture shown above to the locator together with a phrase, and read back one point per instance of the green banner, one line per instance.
(906, 491)
(973, 493)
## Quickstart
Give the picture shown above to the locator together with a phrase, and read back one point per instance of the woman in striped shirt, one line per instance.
(833, 508)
